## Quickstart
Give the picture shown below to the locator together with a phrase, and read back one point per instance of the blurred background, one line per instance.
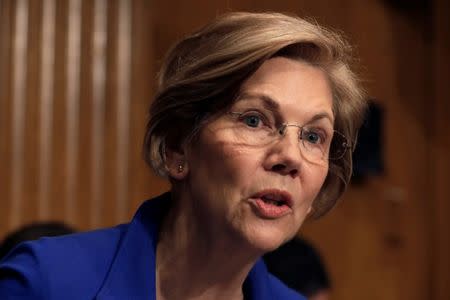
(77, 77)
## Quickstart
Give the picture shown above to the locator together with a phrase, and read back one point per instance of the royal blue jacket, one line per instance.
(114, 263)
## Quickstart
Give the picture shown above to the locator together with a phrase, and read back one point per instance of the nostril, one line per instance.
(283, 169)
(293, 172)
(278, 167)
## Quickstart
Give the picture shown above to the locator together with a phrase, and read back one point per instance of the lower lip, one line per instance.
(268, 210)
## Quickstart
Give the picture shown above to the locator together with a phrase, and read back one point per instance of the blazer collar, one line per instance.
(257, 285)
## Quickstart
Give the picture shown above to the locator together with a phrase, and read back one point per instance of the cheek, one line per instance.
(321, 176)
(215, 158)
(314, 178)
(220, 175)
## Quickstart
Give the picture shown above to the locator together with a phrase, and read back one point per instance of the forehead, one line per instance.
(297, 88)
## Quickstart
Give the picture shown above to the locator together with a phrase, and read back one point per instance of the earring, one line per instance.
(180, 168)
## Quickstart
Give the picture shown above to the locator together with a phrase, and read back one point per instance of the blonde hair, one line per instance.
(202, 74)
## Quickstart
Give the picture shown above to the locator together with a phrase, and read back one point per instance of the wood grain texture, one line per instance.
(18, 98)
(71, 90)
(6, 13)
(72, 109)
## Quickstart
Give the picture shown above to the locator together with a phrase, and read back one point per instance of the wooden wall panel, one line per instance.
(143, 57)
(83, 195)
(18, 94)
(57, 198)
(5, 111)
(73, 98)
(46, 103)
(72, 108)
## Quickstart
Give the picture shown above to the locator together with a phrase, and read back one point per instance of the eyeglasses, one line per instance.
(256, 129)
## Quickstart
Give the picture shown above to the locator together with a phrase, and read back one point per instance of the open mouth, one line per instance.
(271, 204)
(270, 199)
(275, 197)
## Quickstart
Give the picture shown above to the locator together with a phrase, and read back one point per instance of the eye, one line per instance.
(252, 120)
(255, 119)
(312, 136)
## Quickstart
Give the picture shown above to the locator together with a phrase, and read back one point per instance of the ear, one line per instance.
(176, 165)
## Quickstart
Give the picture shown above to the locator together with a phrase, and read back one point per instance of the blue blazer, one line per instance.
(113, 263)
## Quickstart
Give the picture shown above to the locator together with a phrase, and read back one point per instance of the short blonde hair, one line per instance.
(201, 76)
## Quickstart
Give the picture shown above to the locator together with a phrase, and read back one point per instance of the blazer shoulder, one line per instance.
(56, 267)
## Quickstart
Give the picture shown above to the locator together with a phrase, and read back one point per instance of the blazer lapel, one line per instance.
(257, 286)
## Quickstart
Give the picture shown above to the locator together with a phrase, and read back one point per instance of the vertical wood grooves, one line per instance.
(123, 105)
(73, 108)
(5, 111)
(67, 136)
(18, 108)
(99, 40)
(46, 108)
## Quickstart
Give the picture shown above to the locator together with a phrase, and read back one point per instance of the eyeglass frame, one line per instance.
(282, 131)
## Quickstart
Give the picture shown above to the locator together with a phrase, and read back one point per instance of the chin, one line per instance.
(267, 235)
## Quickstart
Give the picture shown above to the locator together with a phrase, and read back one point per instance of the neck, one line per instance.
(198, 261)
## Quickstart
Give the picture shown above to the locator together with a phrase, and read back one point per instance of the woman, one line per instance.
(253, 124)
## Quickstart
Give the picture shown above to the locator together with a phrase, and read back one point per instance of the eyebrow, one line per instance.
(273, 105)
(320, 116)
(268, 101)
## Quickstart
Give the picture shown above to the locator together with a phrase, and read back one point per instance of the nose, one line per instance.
(284, 156)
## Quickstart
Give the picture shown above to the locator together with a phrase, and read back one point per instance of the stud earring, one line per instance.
(180, 168)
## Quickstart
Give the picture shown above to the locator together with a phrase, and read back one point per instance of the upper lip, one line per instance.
(276, 195)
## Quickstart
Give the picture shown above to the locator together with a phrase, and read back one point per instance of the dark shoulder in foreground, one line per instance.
(261, 285)
(281, 291)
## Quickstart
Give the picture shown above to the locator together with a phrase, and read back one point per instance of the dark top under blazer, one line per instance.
(113, 263)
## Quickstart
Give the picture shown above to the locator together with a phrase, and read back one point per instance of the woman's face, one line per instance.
(248, 180)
